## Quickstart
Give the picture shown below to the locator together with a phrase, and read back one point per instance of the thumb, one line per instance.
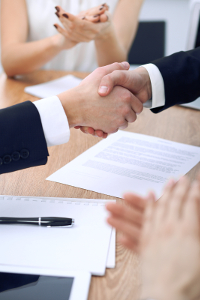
(109, 81)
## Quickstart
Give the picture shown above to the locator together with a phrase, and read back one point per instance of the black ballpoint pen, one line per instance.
(41, 221)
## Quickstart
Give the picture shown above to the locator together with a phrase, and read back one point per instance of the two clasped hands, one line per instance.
(108, 99)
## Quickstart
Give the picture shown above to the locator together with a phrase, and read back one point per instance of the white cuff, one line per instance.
(54, 121)
(157, 85)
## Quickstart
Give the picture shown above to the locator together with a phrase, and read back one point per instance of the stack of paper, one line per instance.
(83, 247)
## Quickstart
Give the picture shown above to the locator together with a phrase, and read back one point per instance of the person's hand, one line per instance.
(84, 106)
(78, 29)
(136, 81)
(127, 218)
(170, 245)
(95, 14)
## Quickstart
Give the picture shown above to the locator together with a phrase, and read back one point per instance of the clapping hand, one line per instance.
(166, 235)
(170, 244)
(84, 27)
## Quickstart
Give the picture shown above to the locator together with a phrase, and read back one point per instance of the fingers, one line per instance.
(127, 213)
(125, 124)
(60, 12)
(148, 217)
(110, 80)
(103, 18)
(128, 243)
(93, 19)
(190, 209)
(101, 134)
(162, 204)
(89, 130)
(127, 220)
(61, 30)
(178, 196)
(94, 14)
(136, 105)
(129, 229)
(111, 68)
(135, 201)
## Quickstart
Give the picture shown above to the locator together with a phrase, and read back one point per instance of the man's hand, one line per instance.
(136, 81)
(84, 106)
(170, 244)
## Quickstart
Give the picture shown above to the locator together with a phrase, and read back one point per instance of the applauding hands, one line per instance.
(166, 235)
(84, 27)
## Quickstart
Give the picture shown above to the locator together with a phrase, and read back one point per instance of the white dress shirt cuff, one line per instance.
(157, 86)
(54, 121)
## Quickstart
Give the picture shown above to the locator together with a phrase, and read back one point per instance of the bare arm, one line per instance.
(113, 45)
(19, 56)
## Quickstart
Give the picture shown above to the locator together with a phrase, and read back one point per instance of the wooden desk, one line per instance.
(176, 124)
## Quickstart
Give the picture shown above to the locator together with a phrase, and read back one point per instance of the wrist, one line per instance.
(147, 82)
(60, 43)
(57, 42)
(71, 101)
(106, 33)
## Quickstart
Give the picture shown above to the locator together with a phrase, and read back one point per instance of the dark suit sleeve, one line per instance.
(23, 143)
(181, 75)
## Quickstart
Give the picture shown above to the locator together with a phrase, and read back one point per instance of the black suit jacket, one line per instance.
(22, 140)
(181, 75)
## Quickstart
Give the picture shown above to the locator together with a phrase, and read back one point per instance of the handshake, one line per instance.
(107, 100)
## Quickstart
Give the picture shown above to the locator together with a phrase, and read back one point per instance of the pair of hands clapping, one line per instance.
(167, 236)
(85, 27)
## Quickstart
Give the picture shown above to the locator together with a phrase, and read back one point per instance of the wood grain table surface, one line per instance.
(176, 124)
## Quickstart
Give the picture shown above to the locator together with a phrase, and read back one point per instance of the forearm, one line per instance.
(20, 58)
(109, 49)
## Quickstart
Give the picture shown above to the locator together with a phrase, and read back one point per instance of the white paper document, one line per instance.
(111, 253)
(53, 87)
(83, 247)
(128, 162)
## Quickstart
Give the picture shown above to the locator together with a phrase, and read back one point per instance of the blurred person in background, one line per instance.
(71, 35)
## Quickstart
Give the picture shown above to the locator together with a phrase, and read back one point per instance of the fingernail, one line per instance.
(57, 14)
(95, 16)
(55, 26)
(101, 8)
(138, 114)
(103, 4)
(66, 16)
(103, 89)
(57, 8)
(125, 64)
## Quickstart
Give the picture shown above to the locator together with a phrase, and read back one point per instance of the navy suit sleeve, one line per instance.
(181, 75)
(22, 140)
